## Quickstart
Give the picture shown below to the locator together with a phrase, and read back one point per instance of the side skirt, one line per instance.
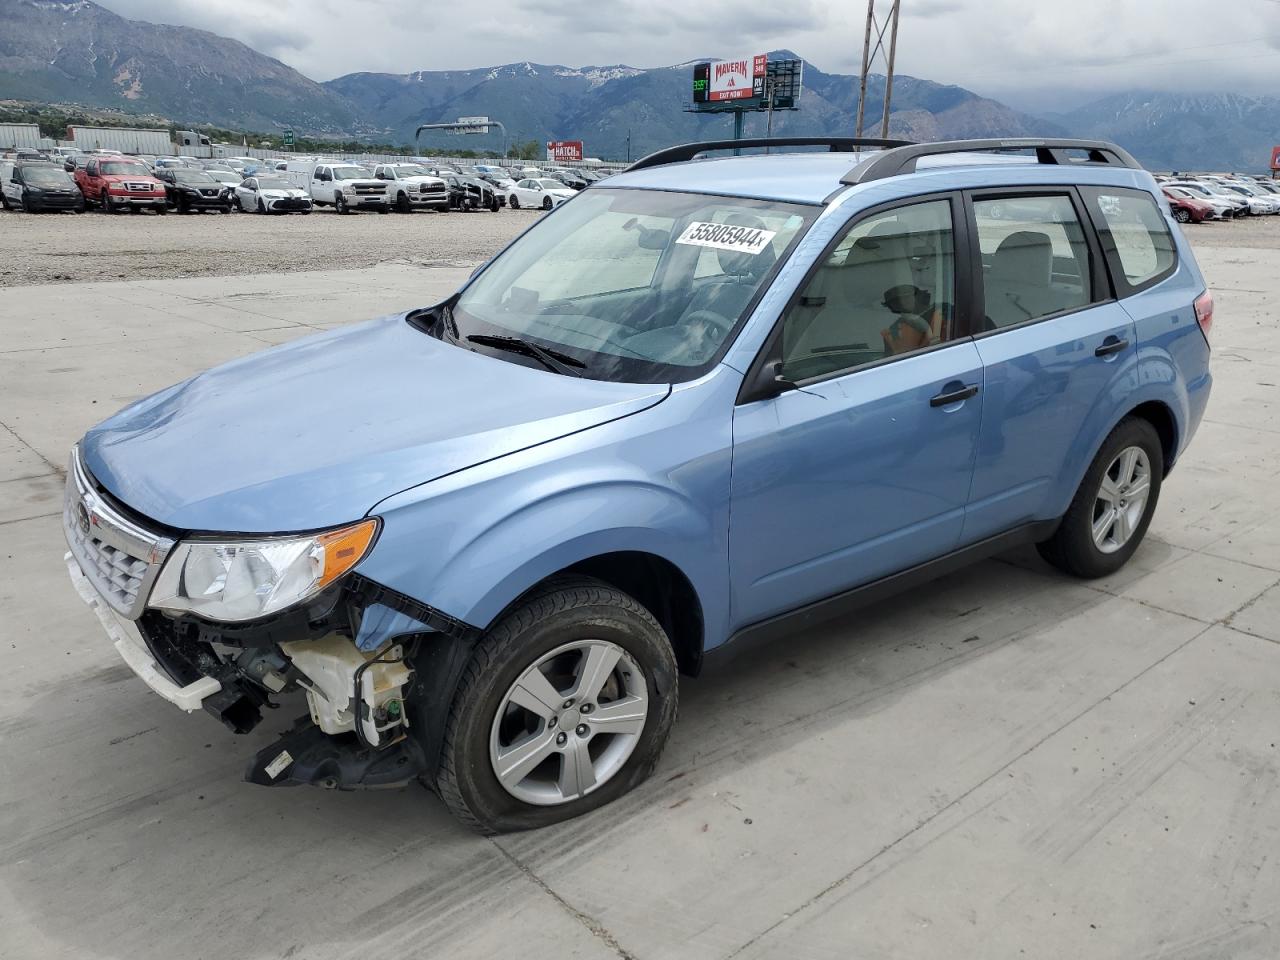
(833, 607)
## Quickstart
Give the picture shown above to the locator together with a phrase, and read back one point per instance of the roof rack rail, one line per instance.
(687, 151)
(891, 163)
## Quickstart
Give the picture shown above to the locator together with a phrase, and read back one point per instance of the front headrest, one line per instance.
(745, 266)
(1024, 257)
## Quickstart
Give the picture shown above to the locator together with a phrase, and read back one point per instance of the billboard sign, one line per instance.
(562, 150)
(1275, 159)
(736, 79)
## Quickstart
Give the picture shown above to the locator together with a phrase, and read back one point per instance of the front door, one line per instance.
(864, 469)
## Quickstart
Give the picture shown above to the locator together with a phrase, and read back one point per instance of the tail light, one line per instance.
(1204, 313)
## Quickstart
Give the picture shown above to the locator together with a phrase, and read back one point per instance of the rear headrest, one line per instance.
(1024, 257)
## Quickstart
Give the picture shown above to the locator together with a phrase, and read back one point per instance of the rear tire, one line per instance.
(1103, 526)
(573, 615)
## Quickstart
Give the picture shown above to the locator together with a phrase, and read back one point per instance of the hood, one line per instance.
(274, 194)
(363, 183)
(422, 179)
(130, 178)
(314, 433)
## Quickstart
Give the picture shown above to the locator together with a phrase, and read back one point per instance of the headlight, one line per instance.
(349, 190)
(233, 581)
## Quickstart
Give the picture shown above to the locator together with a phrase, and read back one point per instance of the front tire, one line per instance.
(1113, 507)
(546, 203)
(340, 204)
(515, 202)
(1182, 215)
(565, 706)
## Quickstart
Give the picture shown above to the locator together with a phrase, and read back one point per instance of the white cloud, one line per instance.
(1000, 47)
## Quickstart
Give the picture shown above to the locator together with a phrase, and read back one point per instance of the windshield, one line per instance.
(350, 173)
(273, 183)
(46, 176)
(225, 176)
(551, 184)
(117, 168)
(411, 171)
(191, 176)
(640, 286)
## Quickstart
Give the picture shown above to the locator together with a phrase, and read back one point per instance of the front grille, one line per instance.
(138, 187)
(209, 193)
(291, 203)
(370, 189)
(120, 558)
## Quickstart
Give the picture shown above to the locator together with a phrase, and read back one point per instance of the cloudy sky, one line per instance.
(1020, 50)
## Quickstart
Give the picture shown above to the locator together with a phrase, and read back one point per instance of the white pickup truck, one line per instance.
(413, 186)
(343, 186)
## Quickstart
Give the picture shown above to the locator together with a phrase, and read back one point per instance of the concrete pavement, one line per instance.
(1003, 764)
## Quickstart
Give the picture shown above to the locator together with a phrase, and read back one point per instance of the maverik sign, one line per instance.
(737, 79)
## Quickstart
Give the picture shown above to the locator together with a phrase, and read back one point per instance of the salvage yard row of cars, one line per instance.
(1195, 199)
(114, 183)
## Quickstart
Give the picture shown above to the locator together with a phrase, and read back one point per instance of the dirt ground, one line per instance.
(70, 248)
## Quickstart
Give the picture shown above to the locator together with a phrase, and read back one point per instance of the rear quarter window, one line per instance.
(1135, 237)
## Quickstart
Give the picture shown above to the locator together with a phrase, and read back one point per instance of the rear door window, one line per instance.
(1135, 237)
(1035, 258)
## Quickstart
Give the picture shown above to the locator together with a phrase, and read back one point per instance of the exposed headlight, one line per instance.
(233, 581)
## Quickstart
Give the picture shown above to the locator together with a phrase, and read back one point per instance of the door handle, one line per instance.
(1111, 346)
(954, 396)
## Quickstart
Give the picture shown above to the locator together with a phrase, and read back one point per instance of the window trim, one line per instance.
(754, 386)
(1111, 253)
(1100, 290)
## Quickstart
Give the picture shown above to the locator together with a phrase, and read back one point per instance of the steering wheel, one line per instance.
(722, 324)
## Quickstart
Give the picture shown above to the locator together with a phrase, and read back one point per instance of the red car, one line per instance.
(1186, 208)
(120, 183)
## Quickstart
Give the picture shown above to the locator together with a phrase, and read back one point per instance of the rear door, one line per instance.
(1058, 353)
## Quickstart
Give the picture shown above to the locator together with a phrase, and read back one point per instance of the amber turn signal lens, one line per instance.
(343, 549)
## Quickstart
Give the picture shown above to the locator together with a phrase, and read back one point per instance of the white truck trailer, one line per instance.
(15, 135)
(123, 139)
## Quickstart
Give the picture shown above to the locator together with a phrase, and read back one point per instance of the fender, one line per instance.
(655, 482)
(1157, 383)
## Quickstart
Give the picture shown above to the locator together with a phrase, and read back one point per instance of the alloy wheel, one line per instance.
(568, 723)
(1121, 500)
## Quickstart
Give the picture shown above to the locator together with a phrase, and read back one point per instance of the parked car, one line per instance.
(271, 194)
(482, 538)
(569, 178)
(471, 193)
(1187, 208)
(230, 179)
(545, 193)
(1261, 203)
(344, 186)
(1212, 192)
(120, 183)
(37, 186)
(413, 187)
(194, 191)
(501, 184)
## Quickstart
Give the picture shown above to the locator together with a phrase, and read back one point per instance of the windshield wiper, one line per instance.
(553, 360)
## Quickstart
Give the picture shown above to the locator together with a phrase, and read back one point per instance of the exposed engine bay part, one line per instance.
(308, 755)
(349, 691)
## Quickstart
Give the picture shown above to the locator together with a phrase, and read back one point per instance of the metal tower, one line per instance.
(871, 52)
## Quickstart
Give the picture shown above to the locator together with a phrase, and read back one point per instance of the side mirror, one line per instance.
(766, 383)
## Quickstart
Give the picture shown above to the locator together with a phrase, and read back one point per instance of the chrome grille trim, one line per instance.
(120, 558)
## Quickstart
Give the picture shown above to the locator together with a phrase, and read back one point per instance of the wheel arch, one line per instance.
(1160, 416)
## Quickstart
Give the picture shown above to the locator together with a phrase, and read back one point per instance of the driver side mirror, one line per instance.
(767, 382)
(69, 167)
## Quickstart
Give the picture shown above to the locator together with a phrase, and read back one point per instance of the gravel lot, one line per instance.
(65, 248)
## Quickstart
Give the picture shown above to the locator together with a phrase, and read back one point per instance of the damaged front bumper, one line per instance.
(376, 668)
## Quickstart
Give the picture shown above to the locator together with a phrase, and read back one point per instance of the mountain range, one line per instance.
(80, 52)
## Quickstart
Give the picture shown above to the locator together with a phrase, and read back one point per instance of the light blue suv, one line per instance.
(708, 403)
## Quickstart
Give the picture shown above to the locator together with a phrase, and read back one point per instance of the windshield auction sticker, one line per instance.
(726, 236)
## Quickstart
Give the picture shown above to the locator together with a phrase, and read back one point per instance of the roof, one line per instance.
(794, 177)
(813, 177)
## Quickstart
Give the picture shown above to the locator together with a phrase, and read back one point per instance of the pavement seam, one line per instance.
(53, 467)
(593, 926)
(845, 878)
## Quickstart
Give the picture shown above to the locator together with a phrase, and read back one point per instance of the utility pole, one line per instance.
(875, 49)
